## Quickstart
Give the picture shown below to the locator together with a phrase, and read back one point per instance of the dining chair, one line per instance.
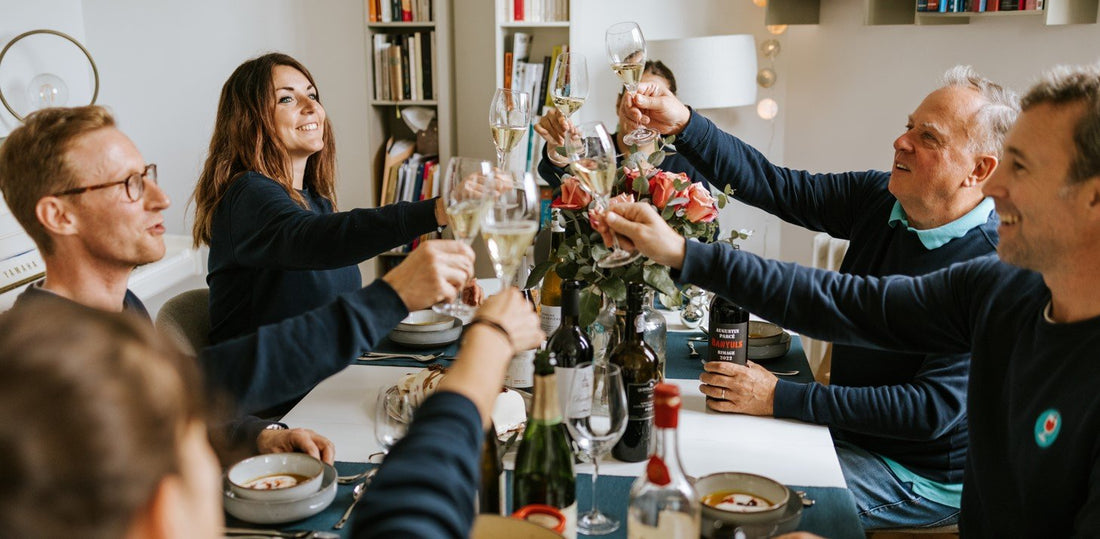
(185, 319)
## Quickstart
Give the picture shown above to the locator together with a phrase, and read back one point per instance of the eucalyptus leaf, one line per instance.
(722, 202)
(656, 158)
(590, 306)
(640, 185)
(729, 190)
(680, 184)
(676, 202)
(614, 287)
(668, 213)
(538, 272)
(658, 278)
(568, 270)
(671, 139)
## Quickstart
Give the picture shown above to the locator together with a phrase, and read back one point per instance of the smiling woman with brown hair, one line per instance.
(266, 204)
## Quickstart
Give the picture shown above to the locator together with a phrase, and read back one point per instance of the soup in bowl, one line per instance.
(276, 477)
(731, 499)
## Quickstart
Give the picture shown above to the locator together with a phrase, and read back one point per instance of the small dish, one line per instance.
(300, 473)
(428, 339)
(761, 333)
(785, 523)
(268, 512)
(775, 493)
(770, 351)
(425, 321)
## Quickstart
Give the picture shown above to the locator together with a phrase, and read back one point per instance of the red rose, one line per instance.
(661, 189)
(573, 197)
(700, 206)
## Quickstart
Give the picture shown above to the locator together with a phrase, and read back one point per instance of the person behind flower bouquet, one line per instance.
(552, 128)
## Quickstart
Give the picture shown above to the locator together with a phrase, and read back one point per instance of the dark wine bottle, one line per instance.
(569, 343)
(729, 331)
(544, 462)
(641, 373)
(489, 499)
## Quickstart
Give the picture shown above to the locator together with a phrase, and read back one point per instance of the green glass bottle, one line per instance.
(641, 372)
(544, 462)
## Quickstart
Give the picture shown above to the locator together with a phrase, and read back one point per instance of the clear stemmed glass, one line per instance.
(511, 220)
(592, 159)
(466, 189)
(393, 411)
(509, 116)
(570, 83)
(626, 52)
(596, 419)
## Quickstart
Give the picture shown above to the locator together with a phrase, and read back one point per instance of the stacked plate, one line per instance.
(767, 341)
(427, 329)
(278, 488)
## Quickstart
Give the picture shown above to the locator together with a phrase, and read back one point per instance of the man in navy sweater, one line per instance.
(1031, 320)
(85, 195)
(899, 425)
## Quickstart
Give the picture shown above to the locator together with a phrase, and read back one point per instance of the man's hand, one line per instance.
(656, 108)
(296, 441)
(640, 227)
(434, 272)
(473, 294)
(552, 128)
(745, 389)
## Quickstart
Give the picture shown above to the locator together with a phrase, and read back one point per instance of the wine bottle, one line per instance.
(639, 366)
(544, 462)
(521, 368)
(489, 499)
(663, 502)
(550, 302)
(729, 331)
(569, 344)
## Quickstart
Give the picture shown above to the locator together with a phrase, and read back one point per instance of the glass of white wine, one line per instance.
(570, 83)
(466, 193)
(509, 117)
(626, 52)
(510, 223)
(592, 159)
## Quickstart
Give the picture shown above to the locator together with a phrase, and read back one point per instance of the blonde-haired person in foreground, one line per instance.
(103, 433)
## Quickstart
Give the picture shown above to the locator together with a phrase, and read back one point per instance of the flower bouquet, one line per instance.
(689, 208)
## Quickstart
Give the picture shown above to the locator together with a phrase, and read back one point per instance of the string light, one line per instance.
(767, 108)
(760, 3)
(776, 29)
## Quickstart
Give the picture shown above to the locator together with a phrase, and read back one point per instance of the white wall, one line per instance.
(851, 86)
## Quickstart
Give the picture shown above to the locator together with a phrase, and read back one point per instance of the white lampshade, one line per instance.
(711, 72)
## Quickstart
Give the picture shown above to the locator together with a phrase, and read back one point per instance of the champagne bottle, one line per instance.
(569, 344)
(663, 502)
(550, 311)
(729, 331)
(521, 368)
(639, 366)
(544, 462)
(489, 499)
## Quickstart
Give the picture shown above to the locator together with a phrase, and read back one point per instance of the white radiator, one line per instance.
(827, 254)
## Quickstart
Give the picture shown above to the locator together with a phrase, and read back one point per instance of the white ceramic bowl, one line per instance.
(425, 321)
(774, 350)
(277, 512)
(761, 333)
(756, 485)
(428, 339)
(241, 474)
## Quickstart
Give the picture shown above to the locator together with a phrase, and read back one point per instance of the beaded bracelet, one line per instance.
(494, 325)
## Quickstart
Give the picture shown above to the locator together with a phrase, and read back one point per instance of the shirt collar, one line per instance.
(935, 238)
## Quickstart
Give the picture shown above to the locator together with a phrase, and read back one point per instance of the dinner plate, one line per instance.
(771, 351)
(428, 339)
(268, 512)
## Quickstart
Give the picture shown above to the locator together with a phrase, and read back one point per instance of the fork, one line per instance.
(370, 356)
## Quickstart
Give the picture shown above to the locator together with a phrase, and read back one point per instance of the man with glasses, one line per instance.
(84, 194)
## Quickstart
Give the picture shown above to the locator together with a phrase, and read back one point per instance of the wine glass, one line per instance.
(570, 83)
(596, 419)
(393, 411)
(466, 194)
(511, 221)
(509, 116)
(592, 159)
(626, 52)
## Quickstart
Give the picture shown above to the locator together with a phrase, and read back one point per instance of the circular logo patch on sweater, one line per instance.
(1047, 428)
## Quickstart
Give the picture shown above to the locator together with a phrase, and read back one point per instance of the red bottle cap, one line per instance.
(543, 515)
(666, 406)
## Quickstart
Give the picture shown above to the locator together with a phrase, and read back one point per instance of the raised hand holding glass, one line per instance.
(509, 117)
(627, 54)
(466, 193)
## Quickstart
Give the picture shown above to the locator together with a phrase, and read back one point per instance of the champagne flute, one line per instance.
(596, 419)
(510, 223)
(509, 116)
(393, 412)
(570, 83)
(626, 52)
(466, 191)
(592, 159)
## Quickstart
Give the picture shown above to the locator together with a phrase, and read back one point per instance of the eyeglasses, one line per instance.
(135, 184)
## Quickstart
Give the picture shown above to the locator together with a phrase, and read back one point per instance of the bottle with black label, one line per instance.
(550, 300)
(729, 331)
(640, 374)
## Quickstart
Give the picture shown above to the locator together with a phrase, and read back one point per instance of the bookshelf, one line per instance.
(430, 86)
(882, 12)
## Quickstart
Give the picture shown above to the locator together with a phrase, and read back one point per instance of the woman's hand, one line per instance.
(552, 128)
(516, 316)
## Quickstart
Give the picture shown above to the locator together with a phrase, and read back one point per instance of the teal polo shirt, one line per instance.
(934, 238)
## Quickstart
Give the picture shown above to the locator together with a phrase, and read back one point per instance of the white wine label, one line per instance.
(570, 521)
(521, 370)
(575, 391)
(639, 399)
(549, 318)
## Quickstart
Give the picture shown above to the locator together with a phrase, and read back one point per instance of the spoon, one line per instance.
(356, 494)
(694, 352)
(349, 479)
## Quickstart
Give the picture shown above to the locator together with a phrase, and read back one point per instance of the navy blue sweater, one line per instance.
(1034, 412)
(673, 162)
(271, 259)
(906, 406)
(426, 486)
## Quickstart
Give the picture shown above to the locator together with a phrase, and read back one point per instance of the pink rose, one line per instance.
(573, 197)
(661, 189)
(700, 207)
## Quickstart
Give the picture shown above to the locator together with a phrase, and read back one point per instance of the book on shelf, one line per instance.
(400, 11)
(508, 70)
(403, 65)
(544, 83)
(536, 10)
(521, 52)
